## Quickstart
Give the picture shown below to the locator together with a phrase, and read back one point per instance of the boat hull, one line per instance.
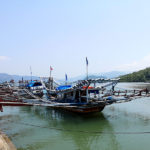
(76, 108)
(85, 109)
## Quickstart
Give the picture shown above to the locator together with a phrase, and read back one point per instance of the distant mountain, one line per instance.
(139, 76)
(6, 77)
(106, 75)
(112, 74)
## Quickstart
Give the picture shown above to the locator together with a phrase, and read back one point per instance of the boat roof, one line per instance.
(34, 83)
(63, 87)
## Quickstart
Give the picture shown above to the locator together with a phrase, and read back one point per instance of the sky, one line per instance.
(113, 34)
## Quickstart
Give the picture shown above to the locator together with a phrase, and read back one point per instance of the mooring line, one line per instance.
(82, 131)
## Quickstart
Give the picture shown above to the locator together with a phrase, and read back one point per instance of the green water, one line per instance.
(39, 128)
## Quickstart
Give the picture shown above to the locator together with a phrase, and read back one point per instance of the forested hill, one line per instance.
(140, 76)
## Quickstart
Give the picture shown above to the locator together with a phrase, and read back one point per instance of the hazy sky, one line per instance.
(113, 34)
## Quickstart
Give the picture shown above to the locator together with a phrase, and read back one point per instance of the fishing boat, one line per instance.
(81, 97)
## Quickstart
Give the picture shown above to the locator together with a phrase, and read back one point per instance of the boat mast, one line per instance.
(66, 79)
(50, 79)
(87, 68)
(87, 63)
(31, 72)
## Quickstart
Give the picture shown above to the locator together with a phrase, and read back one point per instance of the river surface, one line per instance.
(124, 126)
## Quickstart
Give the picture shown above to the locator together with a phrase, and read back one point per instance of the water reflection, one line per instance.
(79, 130)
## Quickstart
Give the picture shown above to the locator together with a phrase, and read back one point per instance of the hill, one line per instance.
(6, 77)
(139, 76)
(112, 74)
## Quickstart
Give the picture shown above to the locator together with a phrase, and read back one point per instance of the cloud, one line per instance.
(3, 58)
(136, 65)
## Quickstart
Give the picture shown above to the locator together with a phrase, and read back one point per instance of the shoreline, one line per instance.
(5, 142)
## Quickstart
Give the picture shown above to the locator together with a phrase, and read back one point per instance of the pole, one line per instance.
(79, 96)
(50, 79)
(87, 93)
(50, 73)
(31, 72)
(66, 79)
(87, 72)
(87, 67)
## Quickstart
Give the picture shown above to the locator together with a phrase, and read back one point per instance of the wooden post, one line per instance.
(1, 108)
(74, 95)
(94, 94)
(79, 96)
(98, 95)
(87, 95)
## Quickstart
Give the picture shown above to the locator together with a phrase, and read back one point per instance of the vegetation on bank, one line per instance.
(139, 76)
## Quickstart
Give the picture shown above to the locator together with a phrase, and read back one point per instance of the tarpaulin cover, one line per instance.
(34, 83)
(64, 87)
(90, 87)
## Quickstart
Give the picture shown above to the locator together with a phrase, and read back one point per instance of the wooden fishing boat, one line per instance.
(83, 109)
(83, 97)
(80, 97)
(74, 98)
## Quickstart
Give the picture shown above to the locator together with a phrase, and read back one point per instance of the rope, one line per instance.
(82, 131)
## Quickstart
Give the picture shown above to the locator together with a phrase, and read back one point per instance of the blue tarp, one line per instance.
(34, 83)
(110, 98)
(31, 83)
(63, 87)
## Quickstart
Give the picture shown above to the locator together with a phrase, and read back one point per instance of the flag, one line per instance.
(66, 77)
(87, 61)
(51, 68)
